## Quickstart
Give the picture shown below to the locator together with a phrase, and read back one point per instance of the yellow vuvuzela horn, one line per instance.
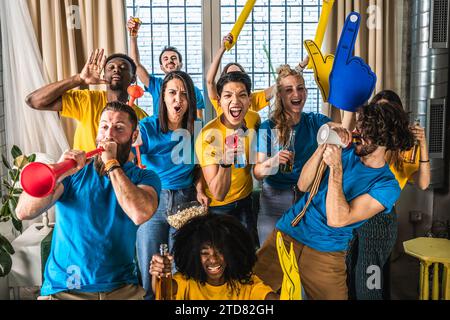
(291, 288)
(322, 26)
(240, 23)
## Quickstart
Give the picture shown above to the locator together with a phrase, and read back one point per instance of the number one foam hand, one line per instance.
(136, 92)
(240, 23)
(351, 80)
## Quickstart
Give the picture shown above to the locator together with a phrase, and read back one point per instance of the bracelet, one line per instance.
(424, 161)
(112, 169)
(111, 163)
(223, 165)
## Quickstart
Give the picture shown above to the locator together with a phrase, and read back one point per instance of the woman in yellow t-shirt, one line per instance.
(374, 241)
(214, 257)
(259, 99)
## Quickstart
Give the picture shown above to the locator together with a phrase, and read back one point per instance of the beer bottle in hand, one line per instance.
(164, 283)
(290, 146)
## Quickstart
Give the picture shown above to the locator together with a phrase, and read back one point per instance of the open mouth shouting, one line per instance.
(235, 112)
(178, 109)
(297, 102)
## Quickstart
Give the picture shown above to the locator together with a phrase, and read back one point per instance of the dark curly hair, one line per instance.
(385, 124)
(225, 234)
(387, 95)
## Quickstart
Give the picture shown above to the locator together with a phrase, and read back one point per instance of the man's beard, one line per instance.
(123, 153)
(365, 150)
(116, 87)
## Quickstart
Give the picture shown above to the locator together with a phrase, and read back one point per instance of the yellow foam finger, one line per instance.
(321, 66)
(327, 6)
(239, 24)
(291, 285)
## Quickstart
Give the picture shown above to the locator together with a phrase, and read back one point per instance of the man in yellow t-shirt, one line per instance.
(86, 106)
(223, 150)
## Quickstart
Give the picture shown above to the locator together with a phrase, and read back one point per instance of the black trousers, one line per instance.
(370, 249)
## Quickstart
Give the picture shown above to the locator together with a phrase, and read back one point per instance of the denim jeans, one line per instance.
(156, 231)
(272, 204)
(243, 211)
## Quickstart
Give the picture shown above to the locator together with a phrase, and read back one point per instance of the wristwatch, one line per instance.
(223, 165)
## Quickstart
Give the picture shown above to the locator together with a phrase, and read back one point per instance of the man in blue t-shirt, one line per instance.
(357, 185)
(170, 60)
(99, 206)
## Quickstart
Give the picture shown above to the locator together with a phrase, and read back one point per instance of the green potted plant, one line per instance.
(10, 197)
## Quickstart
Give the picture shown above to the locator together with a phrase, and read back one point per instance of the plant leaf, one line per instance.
(16, 152)
(6, 183)
(5, 210)
(12, 205)
(21, 161)
(5, 245)
(17, 191)
(32, 158)
(5, 263)
(14, 174)
(17, 224)
(5, 162)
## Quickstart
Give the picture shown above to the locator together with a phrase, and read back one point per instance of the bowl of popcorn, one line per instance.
(184, 212)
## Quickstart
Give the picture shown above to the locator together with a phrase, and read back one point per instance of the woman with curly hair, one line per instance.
(374, 241)
(279, 189)
(214, 256)
(357, 185)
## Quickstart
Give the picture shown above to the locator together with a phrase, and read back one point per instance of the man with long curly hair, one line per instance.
(357, 185)
(214, 256)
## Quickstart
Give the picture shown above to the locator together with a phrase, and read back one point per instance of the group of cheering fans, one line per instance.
(111, 215)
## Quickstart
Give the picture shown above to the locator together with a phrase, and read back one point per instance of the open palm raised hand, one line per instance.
(91, 73)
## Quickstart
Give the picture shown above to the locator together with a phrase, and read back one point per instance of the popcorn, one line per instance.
(178, 219)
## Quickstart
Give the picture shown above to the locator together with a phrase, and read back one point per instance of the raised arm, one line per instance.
(49, 97)
(309, 170)
(340, 213)
(141, 72)
(211, 75)
(422, 177)
(30, 207)
(217, 177)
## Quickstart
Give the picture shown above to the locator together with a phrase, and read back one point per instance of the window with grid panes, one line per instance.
(275, 29)
(176, 23)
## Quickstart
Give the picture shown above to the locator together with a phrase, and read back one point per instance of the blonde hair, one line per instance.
(279, 115)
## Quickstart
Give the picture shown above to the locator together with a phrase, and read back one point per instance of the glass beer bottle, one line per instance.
(163, 288)
(290, 146)
(134, 31)
(410, 156)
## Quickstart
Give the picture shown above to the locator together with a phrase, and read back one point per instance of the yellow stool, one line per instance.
(431, 251)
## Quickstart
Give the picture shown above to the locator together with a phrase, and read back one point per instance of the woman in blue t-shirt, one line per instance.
(279, 189)
(167, 149)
